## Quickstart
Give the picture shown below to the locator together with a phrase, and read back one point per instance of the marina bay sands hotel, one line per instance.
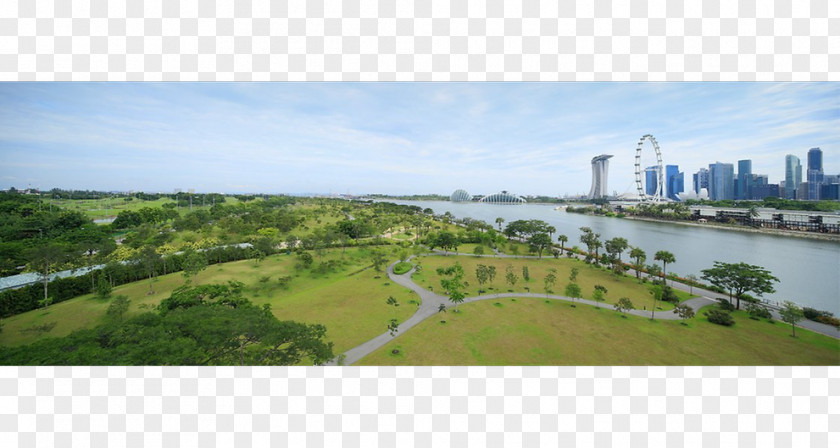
(600, 174)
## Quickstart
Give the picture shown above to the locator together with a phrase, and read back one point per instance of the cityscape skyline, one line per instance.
(400, 138)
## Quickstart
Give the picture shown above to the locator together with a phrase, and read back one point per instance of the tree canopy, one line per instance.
(740, 278)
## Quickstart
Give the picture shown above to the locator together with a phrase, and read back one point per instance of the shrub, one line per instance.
(720, 317)
(402, 267)
(725, 305)
(828, 320)
(758, 312)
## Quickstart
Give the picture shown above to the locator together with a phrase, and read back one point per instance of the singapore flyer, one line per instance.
(656, 169)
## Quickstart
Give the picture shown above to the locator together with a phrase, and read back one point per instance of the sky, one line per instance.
(399, 138)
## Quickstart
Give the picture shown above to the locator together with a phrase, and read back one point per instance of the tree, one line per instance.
(791, 313)
(510, 276)
(499, 221)
(119, 305)
(539, 242)
(378, 258)
(479, 250)
(452, 283)
(573, 275)
(684, 311)
(149, 257)
(45, 260)
(482, 274)
(591, 240)
(599, 292)
(526, 274)
(692, 279)
(562, 239)
(623, 306)
(665, 257)
(639, 256)
(491, 273)
(740, 278)
(103, 287)
(573, 291)
(549, 280)
(194, 262)
(615, 247)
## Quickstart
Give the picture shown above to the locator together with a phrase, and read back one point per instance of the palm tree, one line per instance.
(563, 239)
(550, 230)
(640, 256)
(665, 257)
(499, 221)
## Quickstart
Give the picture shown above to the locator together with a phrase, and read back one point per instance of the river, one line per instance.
(808, 269)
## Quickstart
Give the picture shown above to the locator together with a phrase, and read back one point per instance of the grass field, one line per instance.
(104, 208)
(531, 331)
(352, 307)
(588, 277)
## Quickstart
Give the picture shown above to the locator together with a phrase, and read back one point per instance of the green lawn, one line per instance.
(588, 277)
(530, 331)
(352, 307)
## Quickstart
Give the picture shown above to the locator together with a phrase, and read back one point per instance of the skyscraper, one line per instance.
(793, 175)
(674, 181)
(600, 173)
(721, 181)
(744, 178)
(652, 181)
(701, 180)
(815, 173)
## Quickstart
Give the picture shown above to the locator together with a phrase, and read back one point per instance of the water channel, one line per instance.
(808, 269)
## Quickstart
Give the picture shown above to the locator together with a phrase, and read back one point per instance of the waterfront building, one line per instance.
(701, 180)
(600, 174)
(793, 175)
(503, 198)
(675, 181)
(460, 196)
(815, 173)
(830, 191)
(744, 176)
(721, 181)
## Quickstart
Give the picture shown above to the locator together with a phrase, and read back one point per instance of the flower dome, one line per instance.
(460, 196)
(503, 198)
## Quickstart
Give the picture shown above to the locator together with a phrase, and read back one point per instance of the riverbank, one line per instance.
(738, 228)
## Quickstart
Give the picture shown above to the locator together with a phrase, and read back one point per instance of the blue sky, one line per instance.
(402, 138)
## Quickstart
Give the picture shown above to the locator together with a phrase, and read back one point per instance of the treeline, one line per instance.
(772, 202)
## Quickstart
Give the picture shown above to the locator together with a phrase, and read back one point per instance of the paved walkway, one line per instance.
(430, 303)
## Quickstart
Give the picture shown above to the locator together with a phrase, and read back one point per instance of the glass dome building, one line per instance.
(504, 198)
(460, 196)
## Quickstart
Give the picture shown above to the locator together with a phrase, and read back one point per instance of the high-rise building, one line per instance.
(652, 180)
(793, 175)
(815, 173)
(721, 181)
(701, 180)
(600, 173)
(744, 177)
(674, 180)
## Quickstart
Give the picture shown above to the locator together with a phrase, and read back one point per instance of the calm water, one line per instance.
(808, 270)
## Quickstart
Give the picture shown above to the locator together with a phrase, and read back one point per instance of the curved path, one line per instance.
(430, 303)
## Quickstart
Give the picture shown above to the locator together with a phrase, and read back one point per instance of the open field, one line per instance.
(529, 331)
(588, 277)
(352, 307)
(111, 207)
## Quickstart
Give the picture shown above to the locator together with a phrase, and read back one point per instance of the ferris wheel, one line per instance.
(656, 169)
